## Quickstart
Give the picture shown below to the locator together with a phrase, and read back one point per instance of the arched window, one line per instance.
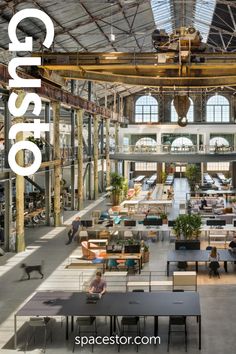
(217, 109)
(146, 142)
(174, 115)
(181, 144)
(219, 141)
(146, 110)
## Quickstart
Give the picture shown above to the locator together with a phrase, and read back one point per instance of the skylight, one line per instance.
(204, 10)
(162, 14)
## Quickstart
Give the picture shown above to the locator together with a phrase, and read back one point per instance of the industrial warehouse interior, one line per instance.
(127, 229)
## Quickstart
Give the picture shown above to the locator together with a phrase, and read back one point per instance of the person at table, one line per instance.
(214, 265)
(203, 203)
(98, 285)
(232, 244)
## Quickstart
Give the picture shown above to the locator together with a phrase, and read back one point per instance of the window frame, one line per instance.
(216, 108)
(145, 111)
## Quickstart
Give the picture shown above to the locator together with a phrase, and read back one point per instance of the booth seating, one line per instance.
(92, 251)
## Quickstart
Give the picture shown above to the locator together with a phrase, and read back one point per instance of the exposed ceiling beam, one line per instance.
(97, 24)
(91, 20)
(60, 25)
(152, 81)
(232, 17)
(226, 2)
(126, 20)
(217, 28)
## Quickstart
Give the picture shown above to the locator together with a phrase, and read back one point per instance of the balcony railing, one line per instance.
(168, 149)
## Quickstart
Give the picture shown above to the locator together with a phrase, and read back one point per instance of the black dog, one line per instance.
(30, 269)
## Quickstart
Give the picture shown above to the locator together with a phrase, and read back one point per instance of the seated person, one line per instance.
(232, 244)
(203, 204)
(214, 265)
(98, 285)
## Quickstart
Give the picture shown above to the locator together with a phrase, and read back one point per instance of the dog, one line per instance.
(30, 269)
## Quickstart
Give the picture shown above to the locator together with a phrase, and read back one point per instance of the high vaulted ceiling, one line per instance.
(87, 25)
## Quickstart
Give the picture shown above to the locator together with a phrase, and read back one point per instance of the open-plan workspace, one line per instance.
(117, 176)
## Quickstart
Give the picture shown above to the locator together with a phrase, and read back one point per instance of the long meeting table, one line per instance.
(197, 256)
(70, 304)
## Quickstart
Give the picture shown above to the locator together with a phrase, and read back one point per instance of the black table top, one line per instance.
(59, 303)
(198, 256)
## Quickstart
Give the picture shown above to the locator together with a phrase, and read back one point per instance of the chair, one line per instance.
(213, 268)
(82, 235)
(140, 291)
(38, 322)
(182, 265)
(128, 321)
(130, 264)
(86, 321)
(177, 321)
(112, 263)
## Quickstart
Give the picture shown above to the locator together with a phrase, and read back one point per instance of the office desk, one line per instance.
(139, 228)
(124, 257)
(198, 256)
(70, 304)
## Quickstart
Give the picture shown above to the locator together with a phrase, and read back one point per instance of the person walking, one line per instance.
(73, 232)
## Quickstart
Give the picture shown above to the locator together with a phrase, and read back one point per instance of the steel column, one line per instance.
(80, 114)
(57, 167)
(8, 212)
(48, 185)
(7, 125)
(95, 155)
(107, 152)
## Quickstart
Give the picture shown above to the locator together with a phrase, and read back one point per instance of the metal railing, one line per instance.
(169, 149)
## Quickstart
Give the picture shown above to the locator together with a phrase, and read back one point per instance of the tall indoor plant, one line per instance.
(187, 227)
(193, 175)
(119, 188)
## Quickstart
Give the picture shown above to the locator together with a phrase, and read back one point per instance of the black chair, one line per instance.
(177, 321)
(36, 323)
(182, 265)
(130, 321)
(85, 322)
(213, 268)
(140, 291)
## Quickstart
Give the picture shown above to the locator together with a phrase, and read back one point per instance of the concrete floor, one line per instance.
(217, 298)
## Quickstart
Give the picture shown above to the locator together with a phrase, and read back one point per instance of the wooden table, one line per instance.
(125, 256)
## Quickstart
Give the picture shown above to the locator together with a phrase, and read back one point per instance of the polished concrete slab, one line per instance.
(48, 244)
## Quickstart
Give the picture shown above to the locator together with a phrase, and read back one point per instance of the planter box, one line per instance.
(188, 244)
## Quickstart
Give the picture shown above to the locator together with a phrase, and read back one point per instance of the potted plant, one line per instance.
(187, 230)
(145, 251)
(119, 188)
(193, 175)
(163, 216)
